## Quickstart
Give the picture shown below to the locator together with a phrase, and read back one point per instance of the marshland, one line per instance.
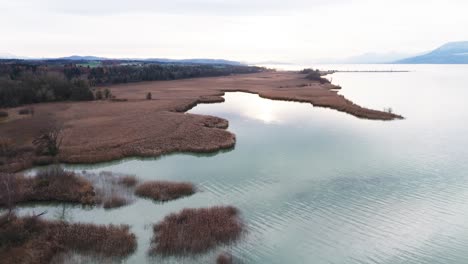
(310, 184)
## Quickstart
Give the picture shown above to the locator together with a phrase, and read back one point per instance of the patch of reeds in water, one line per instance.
(113, 190)
(33, 240)
(195, 231)
(164, 190)
(51, 185)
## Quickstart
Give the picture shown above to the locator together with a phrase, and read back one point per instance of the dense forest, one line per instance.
(26, 82)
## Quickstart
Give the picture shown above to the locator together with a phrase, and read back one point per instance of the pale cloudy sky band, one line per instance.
(246, 30)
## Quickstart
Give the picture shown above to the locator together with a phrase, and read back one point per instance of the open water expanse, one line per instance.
(319, 186)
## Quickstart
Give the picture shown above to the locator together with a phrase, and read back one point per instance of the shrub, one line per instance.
(3, 114)
(164, 191)
(107, 94)
(194, 231)
(99, 95)
(149, 96)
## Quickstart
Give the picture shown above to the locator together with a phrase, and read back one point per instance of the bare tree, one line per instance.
(9, 192)
(49, 141)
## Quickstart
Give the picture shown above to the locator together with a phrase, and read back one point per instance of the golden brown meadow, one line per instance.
(101, 131)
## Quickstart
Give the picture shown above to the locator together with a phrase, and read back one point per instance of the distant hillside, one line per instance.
(82, 58)
(450, 53)
(197, 61)
(162, 60)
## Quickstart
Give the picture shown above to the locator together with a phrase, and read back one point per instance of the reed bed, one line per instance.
(57, 185)
(195, 231)
(51, 185)
(115, 201)
(33, 240)
(113, 190)
(164, 191)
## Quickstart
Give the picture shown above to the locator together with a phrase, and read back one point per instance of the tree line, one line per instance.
(23, 82)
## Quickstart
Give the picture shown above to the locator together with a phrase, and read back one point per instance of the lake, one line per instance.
(319, 186)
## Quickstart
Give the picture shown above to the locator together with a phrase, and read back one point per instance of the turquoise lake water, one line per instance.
(318, 186)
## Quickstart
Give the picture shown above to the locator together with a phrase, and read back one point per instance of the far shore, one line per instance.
(101, 131)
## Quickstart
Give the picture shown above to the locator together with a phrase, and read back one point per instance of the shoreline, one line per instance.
(104, 131)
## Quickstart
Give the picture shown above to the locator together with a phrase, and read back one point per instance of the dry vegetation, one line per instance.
(112, 190)
(164, 191)
(115, 201)
(51, 185)
(128, 181)
(194, 231)
(57, 185)
(224, 258)
(101, 131)
(33, 240)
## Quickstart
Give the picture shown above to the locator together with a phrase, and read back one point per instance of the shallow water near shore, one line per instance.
(318, 186)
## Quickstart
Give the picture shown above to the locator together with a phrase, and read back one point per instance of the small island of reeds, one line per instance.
(195, 231)
(164, 191)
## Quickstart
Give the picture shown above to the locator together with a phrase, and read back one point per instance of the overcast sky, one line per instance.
(245, 30)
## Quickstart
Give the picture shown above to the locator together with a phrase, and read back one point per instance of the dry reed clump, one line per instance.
(32, 240)
(128, 181)
(50, 185)
(194, 231)
(224, 258)
(108, 240)
(164, 190)
(115, 201)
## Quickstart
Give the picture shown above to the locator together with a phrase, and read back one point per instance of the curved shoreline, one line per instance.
(103, 131)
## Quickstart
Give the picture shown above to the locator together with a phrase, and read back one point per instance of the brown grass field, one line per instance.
(99, 131)
(195, 231)
(164, 191)
(33, 240)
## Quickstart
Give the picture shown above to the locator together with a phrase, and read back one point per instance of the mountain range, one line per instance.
(450, 53)
(95, 58)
